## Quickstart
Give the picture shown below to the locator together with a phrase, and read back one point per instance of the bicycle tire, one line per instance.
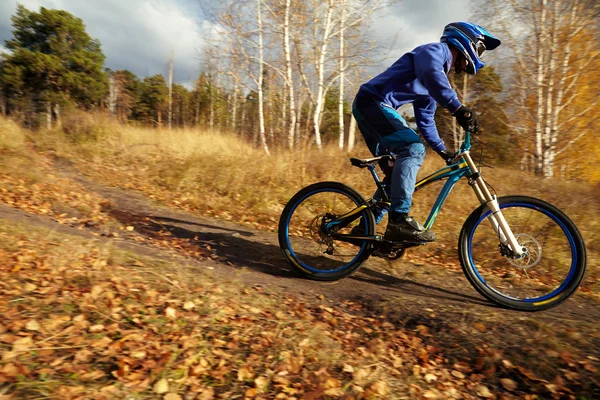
(290, 253)
(576, 244)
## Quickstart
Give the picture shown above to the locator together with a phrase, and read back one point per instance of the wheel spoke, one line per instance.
(318, 249)
(540, 272)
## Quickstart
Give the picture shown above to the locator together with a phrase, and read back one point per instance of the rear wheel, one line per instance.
(549, 272)
(309, 242)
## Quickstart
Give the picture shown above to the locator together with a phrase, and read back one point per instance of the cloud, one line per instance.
(135, 34)
(404, 26)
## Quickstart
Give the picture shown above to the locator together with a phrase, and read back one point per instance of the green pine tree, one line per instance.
(52, 60)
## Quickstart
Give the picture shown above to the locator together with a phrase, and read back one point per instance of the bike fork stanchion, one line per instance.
(497, 220)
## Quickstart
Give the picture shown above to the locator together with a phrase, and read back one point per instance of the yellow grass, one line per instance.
(223, 175)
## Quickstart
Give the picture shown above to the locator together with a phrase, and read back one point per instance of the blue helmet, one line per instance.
(471, 40)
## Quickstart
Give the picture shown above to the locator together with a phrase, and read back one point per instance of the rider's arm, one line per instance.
(424, 115)
(432, 63)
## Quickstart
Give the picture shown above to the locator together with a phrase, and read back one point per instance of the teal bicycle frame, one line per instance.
(464, 167)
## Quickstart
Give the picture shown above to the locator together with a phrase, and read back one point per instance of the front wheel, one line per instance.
(309, 240)
(549, 272)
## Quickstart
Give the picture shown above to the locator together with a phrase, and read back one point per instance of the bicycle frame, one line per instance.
(465, 167)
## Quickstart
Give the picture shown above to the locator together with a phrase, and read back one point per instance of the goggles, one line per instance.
(478, 47)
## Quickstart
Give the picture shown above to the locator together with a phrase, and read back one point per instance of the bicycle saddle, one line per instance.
(365, 162)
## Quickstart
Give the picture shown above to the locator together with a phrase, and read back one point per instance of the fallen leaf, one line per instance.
(262, 384)
(172, 396)
(96, 291)
(430, 378)
(207, 394)
(244, 373)
(29, 287)
(189, 305)
(430, 395)
(380, 388)
(483, 391)
(508, 384)
(171, 313)
(22, 344)
(96, 328)
(33, 325)
(458, 374)
(161, 387)
(479, 327)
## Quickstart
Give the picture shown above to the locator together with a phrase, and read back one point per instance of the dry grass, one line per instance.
(219, 174)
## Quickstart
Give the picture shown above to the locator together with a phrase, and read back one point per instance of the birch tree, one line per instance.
(550, 64)
(342, 70)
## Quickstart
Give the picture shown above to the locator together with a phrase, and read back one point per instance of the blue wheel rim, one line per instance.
(574, 255)
(289, 245)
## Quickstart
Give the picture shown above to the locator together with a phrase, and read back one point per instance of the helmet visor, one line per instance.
(479, 47)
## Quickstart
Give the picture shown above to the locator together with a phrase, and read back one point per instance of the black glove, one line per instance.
(466, 119)
(447, 156)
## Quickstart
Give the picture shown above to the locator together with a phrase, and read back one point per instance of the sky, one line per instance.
(138, 35)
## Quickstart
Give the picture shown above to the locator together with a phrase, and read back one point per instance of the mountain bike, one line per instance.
(519, 252)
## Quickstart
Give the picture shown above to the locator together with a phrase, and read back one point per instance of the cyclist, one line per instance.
(418, 77)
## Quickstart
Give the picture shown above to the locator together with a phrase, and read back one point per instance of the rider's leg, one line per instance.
(379, 123)
(371, 138)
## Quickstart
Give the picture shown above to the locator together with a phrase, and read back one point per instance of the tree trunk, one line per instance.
(171, 90)
(113, 94)
(320, 67)
(243, 119)
(261, 115)
(548, 151)
(351, 134)
(342, 77)
(234, 111)
(289, 75)
(57, 115)
(212, 106)
(49, 115)
(541, 38)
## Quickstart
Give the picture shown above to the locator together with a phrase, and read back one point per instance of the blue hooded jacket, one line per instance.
(419, 77)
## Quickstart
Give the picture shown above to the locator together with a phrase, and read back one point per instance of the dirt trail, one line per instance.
(415, 295)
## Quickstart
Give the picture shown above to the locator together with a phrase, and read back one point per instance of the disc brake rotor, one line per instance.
(532, 257)
(316, 233)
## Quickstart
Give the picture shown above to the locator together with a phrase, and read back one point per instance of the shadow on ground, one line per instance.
(239, 248)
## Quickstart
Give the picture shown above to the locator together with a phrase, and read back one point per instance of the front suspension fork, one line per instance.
(496, 219)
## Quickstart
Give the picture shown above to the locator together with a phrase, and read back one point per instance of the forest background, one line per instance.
(281, 75)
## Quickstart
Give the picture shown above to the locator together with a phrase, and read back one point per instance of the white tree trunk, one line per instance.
(289, 75)
(551, 76)
(261, 112)
(234, 111)
(57, 114)
(342, 77)
(541, 38)
(113, 94)
(351, 134)
(320, 67)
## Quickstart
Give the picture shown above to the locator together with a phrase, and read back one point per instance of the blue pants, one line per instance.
(386, 132)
